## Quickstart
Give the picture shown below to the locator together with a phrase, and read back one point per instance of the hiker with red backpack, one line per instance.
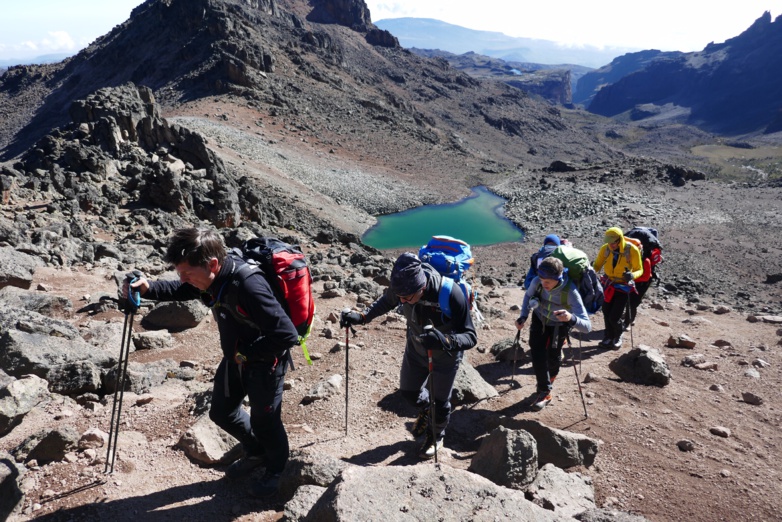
(646, 238)
(255, 350)
(621, 261)
(556, 307)
(417, 286)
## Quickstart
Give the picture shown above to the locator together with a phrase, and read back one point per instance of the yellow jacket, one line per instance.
(628, 256)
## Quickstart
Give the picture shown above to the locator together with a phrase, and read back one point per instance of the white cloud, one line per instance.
(58, 41)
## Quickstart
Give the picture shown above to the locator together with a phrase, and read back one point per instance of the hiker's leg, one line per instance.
(539, 338)
(613, 316)
(608, 309)
(413, 378)
(555, 352)
(445, 367)
(226, 410)
(635, 298)
(264, 383)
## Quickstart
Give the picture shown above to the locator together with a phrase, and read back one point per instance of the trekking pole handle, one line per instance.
(348, 326)
(134, 295)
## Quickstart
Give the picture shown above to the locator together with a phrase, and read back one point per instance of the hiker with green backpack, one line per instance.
(556, 307)
(438, 324)
(255, 350)
(621, 261)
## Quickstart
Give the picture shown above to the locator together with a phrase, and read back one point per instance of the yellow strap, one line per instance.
(303, 344)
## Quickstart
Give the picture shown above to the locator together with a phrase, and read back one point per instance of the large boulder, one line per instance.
(642, 365)
(421, 492)
(306, 468)
(18, 398)
(15, 318)
(17, 268)
(40, 302)
(175, 315)
(23, 353)
(206, 443)
(507, 457)
(469, 387)
(54, 444)
(559, 447)
(11, 493)
(565, 493)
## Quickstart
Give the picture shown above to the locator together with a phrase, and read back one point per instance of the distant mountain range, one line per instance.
(46, 58)
(426, 33)
(734, 87)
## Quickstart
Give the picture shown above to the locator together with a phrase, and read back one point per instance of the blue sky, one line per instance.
(33, 28)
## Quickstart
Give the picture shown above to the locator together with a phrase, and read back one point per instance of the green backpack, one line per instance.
(575, 260)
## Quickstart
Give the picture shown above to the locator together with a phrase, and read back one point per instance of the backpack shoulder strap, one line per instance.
(444, 298)
(229, 297)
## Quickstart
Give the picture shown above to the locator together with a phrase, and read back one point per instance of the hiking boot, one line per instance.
(541, 401)
(267, 486)
(608, 341)
(617, 343)
(428, 447)
(244, 466)
(421, 423)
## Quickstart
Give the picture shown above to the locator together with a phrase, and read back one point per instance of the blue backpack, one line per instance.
(451, 258)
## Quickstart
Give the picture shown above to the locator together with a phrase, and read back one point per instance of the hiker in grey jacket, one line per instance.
(416, 287)
(556, 307)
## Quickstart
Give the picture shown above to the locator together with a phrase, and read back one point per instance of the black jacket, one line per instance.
(255, 297)
(427, 312)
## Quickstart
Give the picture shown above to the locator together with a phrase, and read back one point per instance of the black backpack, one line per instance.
(648, 237)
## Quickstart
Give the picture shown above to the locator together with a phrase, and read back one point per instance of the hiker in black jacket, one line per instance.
(416, 286)
(255, 338)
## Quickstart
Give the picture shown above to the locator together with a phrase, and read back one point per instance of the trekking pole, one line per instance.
(348, 329)
(429, 355)
(578, 378)
(629, 296)
(130, 305)
(516, 345)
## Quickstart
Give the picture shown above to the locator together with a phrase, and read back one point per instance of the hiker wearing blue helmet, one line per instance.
(550, 242)
(556, 307)
(416, 287)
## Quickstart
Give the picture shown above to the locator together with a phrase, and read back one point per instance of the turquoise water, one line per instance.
(478, 220)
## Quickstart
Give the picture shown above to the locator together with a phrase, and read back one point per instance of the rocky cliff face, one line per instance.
(590, 83)
(733, 87)
(274, 55)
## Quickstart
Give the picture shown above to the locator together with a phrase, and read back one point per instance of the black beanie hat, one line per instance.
(407, 276)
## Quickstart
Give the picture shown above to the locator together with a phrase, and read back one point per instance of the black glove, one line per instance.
(628, 276)
(435, 340)
(349, 318)
(520, 321)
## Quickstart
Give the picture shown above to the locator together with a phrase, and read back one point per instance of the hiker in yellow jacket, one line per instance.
(622, 263)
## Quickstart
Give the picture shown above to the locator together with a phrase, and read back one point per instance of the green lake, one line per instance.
(477, 219)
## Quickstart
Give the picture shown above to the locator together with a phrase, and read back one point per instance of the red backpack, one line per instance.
(285, 268)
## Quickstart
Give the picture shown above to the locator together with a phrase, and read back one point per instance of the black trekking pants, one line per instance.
(635, 299)
(414, 382)
(545, 343)
(261, 432)
(613, 313)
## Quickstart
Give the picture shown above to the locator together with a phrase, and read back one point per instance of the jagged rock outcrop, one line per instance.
(590, 83)
(350, 13)
(731, 87)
